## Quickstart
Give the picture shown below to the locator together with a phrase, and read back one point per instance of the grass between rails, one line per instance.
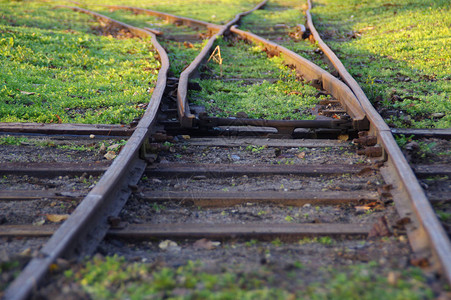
(399, 51)
(114, 278)
(247, 86)
(218, 11)
(54, 73)
(180, 53)
(281, 18)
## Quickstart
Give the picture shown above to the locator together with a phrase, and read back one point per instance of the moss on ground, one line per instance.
(115, 278)
(248, 81)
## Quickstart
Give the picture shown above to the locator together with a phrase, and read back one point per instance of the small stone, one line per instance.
(102, 148)
(204, 244)
(110, 155)
(114, 147)
(438, 115)
(26, 252)
(169, 246)
(393, 277)
(39, 222)
(91, 136)
(281, 26)
(241, 114)
(235, 157)
(62, 263)
(307, 205)
(301, 155)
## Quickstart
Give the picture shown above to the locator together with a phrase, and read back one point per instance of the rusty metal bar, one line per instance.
(227, 199)
(308, 70)
(185, 116)
(312, 73)
(422, 171)
(375, 119)
(224, 170)
(27, 195)
(240, 141)
(427, 236)
(87, 225)
(74, 129)
(262, 231)
(54, 169)
(440, 133)
(282, 126)
(228, 231)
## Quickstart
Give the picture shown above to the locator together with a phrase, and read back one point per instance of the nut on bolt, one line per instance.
(368, 140)
(374, 151)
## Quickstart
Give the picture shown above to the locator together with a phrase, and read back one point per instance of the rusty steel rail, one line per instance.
(87, 225)
(185, 116)
(312, 73)
(308, 70)
(427, 237)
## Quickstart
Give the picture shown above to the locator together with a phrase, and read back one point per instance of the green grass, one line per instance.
(287, 98)
(217, 11)
(54, 69)
(114, 278)
(399, 51)
(180, 54)
(12, 141)
(95, 146)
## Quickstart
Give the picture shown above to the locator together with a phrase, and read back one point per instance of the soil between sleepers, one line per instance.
(311, 267)
(61, 194)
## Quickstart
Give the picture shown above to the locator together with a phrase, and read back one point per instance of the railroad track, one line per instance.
(236, 177)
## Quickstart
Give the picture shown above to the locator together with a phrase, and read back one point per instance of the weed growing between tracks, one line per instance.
(54, 70)
(115, 278)
(253, 85)
(399, 52)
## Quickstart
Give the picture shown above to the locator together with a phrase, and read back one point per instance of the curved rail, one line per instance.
(186, 118)
(430, 235)
(308, 70)
(311, 72)
(89, 220)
